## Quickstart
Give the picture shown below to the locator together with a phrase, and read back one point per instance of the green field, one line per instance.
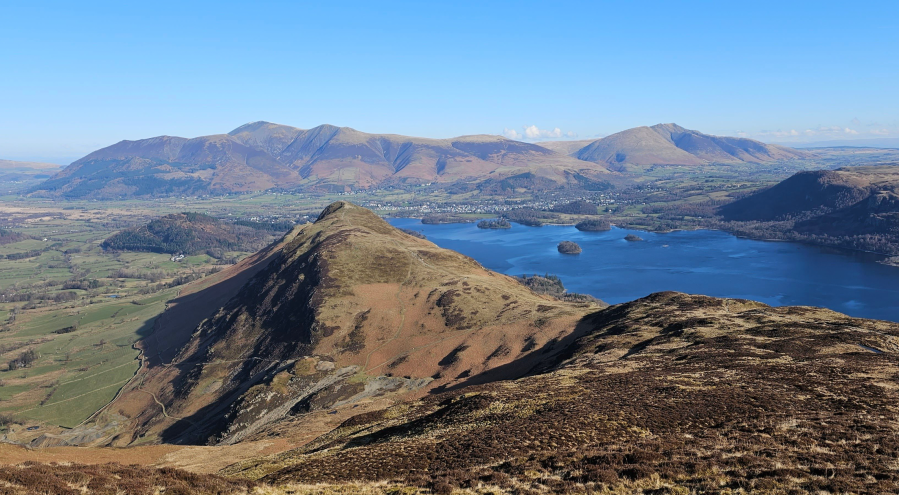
(79, 309)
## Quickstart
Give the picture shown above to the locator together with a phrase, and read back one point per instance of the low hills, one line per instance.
(857, 207)
(193, 233)
(16, 171)
(347, 312)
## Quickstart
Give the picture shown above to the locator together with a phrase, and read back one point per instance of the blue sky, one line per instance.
(75, 76)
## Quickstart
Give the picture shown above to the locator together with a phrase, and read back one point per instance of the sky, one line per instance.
(78, 76)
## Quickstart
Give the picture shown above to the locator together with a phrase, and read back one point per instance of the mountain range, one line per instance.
(261, 156)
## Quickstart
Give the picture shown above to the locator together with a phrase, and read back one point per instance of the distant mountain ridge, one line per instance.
(262, 155)
(671, 144)
(11, 170)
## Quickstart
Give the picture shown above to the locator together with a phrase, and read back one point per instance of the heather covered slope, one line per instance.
(262, 155)
(347, 311)
(672, 393)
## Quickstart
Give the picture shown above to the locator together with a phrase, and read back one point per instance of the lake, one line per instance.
(697, 262)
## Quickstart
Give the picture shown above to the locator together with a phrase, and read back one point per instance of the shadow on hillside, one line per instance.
(175, 326)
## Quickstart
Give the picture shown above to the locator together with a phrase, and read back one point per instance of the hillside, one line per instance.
(191, 233)
(347, 312)
(671, 144)
(855, 207)
(262, 155)
(669, 394)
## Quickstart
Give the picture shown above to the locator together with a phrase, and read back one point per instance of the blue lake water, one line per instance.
(697, 262)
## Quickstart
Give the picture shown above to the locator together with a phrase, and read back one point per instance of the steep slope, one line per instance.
(860, 199)
(672, 393)
(671, 144)
(262, 155)
(723, 149)
(170, 165)
(803, 193)
(347, 311)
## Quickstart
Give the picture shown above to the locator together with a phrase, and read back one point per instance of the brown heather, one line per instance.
(668, 394)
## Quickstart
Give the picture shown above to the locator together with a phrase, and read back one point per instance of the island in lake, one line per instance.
(568, 247)
(498, 223)
(594, 225)
(632, 238)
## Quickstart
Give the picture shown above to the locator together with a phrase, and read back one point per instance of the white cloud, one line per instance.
(511, 134)
(779, 133)
(826, 132)
(855, 121)
(533, 132)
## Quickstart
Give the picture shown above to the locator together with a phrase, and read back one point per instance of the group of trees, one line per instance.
(496, 223)
(568, 247)
(62, 296)
(551, 285)
(529, 217)
(440, 218)
(579, 207)
(8, 236)
(194, 233)
(25, 360)
(594, 225)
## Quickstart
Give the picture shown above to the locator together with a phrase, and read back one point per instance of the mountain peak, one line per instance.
(670, 127)
(336, 207)
(347, 309)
